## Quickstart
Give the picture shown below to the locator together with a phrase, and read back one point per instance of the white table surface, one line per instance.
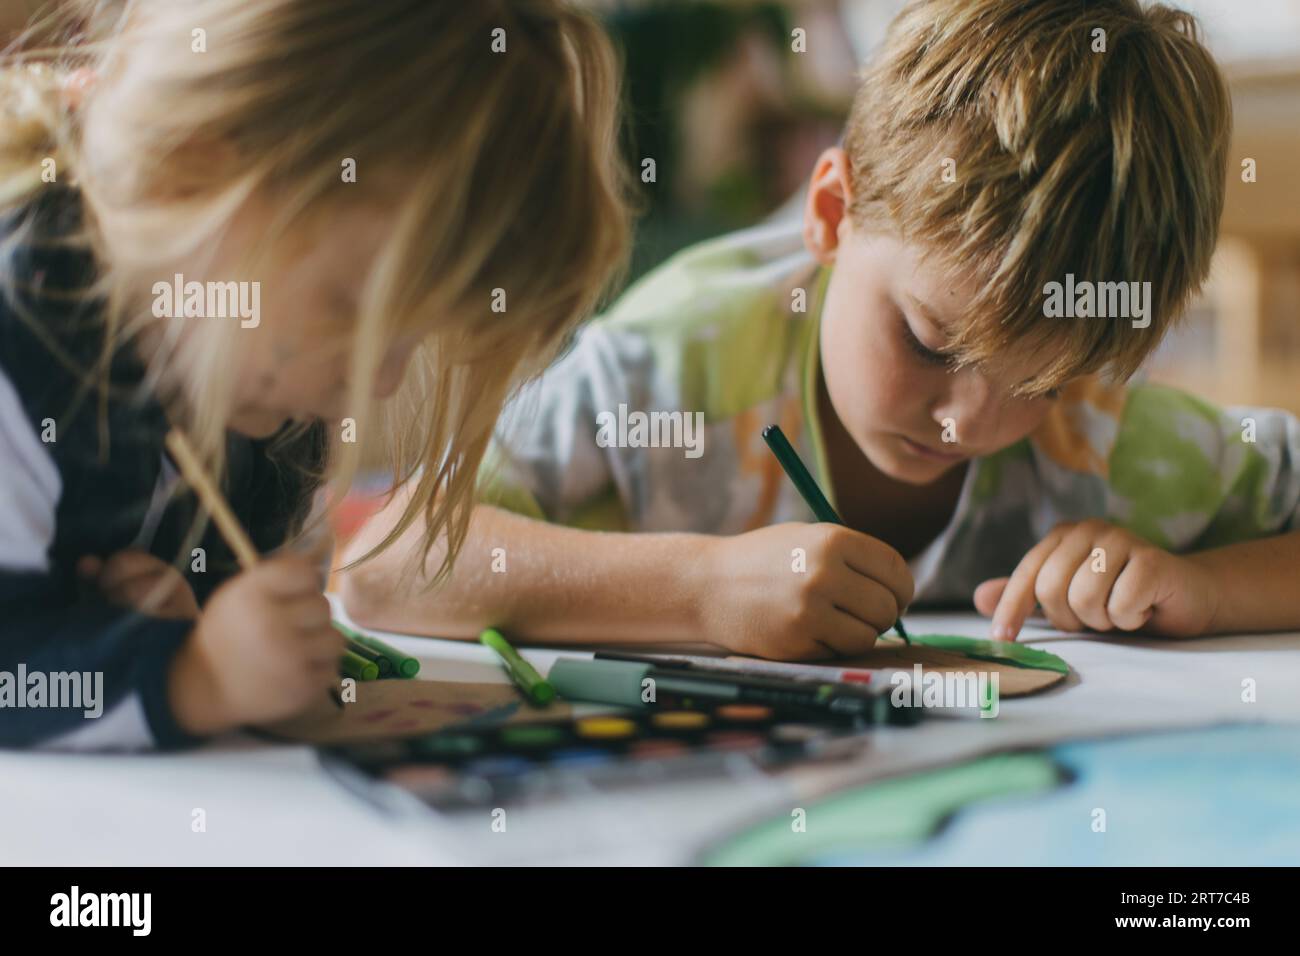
(274, 805)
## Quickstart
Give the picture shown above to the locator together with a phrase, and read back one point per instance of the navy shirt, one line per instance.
(83, 471)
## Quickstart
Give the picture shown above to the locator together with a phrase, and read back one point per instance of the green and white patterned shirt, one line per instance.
(714, 336)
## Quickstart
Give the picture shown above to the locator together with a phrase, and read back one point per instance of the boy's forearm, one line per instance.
(547, 582)
(1256, 584)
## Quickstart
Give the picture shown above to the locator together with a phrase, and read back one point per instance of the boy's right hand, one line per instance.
(263, 650)
(756, 601)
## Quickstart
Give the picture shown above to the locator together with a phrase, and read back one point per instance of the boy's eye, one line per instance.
(925, 354)
(931, 357)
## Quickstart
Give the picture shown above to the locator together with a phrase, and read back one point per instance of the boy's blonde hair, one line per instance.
(500, 170)
(1107, 165)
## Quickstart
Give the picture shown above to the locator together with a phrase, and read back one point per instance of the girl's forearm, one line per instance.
(535, 580)
(1255, 584)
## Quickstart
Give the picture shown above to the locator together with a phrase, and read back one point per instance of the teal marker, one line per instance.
(535, 687)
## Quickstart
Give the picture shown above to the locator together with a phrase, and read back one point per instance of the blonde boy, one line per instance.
(911, 339)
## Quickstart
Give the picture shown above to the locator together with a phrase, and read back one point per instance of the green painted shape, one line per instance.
(1002, 652)
(886, 814)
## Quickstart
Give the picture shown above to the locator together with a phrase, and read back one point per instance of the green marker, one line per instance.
(357, 667)
(806, 485)
(534, 686)
(404, 665)
(379, 660)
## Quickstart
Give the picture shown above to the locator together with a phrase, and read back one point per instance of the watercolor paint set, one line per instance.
(491, 764)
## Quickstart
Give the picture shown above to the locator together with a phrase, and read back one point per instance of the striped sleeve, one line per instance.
(545, 460)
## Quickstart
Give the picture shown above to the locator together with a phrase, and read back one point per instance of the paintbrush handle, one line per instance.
(211, 498)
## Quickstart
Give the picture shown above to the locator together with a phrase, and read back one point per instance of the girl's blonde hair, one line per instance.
(487, 129)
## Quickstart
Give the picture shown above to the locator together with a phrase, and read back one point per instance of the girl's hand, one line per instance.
(1094, 575)
(800, 591)
(142, 582)
(264, 650)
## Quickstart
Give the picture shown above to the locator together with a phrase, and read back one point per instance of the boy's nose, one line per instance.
(973, 406)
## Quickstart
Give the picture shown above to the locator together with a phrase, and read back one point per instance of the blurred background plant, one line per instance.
(731, 117)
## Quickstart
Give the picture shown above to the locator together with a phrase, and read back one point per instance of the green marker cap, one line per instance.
(601, 682)
(404, 665)
(357, 667)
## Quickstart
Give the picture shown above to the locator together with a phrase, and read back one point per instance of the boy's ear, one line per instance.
(826, 208)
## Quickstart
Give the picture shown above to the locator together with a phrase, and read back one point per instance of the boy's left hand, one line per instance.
(1094, 575)
(142, 582)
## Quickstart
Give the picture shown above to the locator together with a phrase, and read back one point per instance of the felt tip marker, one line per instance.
(753, 667)
(536, 688)
(806, 485)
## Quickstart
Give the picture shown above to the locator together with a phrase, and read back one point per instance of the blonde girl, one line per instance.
(296, 229)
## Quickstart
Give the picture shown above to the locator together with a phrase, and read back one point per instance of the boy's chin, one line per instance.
(893, 458)
(916, 473)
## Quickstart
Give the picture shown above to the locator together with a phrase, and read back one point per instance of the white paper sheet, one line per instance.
(275, 805)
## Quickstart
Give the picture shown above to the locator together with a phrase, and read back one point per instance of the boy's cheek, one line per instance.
(854, 397)
(1025, 422)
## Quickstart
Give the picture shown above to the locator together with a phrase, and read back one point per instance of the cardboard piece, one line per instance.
(1014, 679)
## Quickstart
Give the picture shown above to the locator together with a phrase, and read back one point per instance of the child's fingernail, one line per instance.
(1003, 632)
